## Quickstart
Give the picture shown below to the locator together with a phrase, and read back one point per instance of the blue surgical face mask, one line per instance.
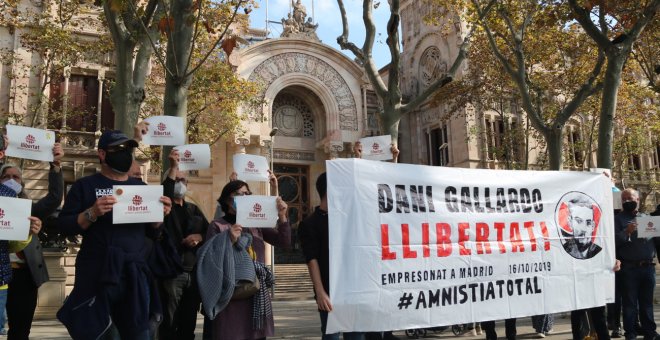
(13, 185)
(233, 203)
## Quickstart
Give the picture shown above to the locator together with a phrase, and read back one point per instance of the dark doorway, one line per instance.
(293, 181)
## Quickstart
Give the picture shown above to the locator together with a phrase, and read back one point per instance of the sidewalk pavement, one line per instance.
(300, 320)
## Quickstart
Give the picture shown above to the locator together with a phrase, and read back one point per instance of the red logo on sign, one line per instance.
(30, 139)
(250, 165)
(162, 126)
(376, 147)
(257, 207)
(187, 154)
(137, 200)
(2, 213)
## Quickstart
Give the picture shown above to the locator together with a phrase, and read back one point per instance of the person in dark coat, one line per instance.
(28, 267)
(186, 226)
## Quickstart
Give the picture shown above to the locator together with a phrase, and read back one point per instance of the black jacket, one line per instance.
(196, 224)
(34, 257)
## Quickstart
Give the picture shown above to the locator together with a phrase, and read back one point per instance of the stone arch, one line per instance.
(291, 68)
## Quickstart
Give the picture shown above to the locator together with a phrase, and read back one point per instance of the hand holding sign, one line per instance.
(194, 156)
(15, 220)
(165, 130)
(30, 143)
(35, 225)
(256, 211)
(378, 148)
(251, 167)
(648, 226)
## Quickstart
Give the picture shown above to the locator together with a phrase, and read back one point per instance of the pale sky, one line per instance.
(326, 14)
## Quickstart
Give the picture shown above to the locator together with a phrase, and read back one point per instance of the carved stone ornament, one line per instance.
(431, 66)
(282, 64)
(292, 117)
(294, 155)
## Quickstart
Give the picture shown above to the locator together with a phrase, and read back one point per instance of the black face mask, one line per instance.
(629, 206)
(119, 161)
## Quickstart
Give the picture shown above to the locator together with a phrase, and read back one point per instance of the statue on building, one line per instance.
(298, 25)
(310, 26)
(299, 12)
(290, 26)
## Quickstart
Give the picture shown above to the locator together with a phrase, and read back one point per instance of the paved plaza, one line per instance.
(299, 320)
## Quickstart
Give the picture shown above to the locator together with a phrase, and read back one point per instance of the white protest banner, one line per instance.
(137, 204)
(616, 193)
(377, 148)
(251, 167)
(14, 222)
(256, 211)
(165, 130)
(30, 143)
(194, 156)
(648, 226)
(415, 246)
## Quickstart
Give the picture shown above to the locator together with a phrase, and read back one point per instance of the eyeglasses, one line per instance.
(242, 193)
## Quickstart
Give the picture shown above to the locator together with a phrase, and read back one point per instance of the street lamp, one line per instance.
(442, 154)
(272, 134)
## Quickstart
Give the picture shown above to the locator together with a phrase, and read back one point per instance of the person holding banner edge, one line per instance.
(111, 298)
(28, 268)
(357, 150)
(637, 269)
(245, 319)
(314, 238)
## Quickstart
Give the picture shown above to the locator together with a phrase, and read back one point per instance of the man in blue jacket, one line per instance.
(112, 279)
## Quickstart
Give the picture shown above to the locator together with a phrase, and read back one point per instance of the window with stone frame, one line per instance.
(655, 156)
(634, 162)
(502, 136)
(82, 104)
(438, 145)
(574, 146)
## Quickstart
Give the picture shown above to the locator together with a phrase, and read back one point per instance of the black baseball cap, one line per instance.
(114, 138)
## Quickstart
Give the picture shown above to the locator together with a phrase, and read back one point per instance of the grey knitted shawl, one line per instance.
(219, 266)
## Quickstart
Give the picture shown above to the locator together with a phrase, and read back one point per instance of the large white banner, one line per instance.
(416, 246)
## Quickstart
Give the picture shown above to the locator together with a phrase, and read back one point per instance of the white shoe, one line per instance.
(540, 335)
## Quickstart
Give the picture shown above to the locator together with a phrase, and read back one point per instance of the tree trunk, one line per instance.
(179, 47)
(555, 140)
(615, 62)
(124, 96)
(390, 123)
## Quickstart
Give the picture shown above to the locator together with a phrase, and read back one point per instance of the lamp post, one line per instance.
(272, 134)
(442, 160)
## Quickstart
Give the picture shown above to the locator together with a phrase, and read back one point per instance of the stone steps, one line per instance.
(292, 282)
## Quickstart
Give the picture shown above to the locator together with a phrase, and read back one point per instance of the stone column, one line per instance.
(99, 102)
(65, 93)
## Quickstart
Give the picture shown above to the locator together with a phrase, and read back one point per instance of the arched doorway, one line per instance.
(298, 115)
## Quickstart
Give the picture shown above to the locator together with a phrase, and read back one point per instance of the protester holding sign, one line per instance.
(112, 278)
(28, 267)
(249, 318)
(186, 228)
(7, 247)
(637, 269)
(314, 239)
